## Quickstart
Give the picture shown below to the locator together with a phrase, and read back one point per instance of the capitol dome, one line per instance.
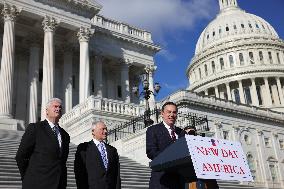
(232, 22)
(239, 57)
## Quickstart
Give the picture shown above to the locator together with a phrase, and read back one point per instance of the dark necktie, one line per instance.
(173, 136)
(56, 132)
(103, 154)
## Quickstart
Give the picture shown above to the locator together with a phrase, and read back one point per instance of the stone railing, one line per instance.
(122, 28)
(93, 103)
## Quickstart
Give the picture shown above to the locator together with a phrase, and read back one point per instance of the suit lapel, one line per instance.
(51, 135)
(165, 132)
(95, 153)
(109, 156)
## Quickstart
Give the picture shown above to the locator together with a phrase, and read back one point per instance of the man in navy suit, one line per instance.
(96, 164)
(43, 151)
(159, 137)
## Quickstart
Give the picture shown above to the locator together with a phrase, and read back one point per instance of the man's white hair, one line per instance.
(52, 100)
(95, 123)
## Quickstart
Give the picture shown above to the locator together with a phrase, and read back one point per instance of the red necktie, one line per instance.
(173, 136)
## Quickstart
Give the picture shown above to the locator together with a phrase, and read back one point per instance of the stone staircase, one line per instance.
(133, 174)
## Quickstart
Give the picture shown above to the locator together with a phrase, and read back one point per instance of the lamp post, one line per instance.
(146, 93)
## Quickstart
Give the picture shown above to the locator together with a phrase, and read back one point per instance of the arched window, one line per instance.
(205, 69)
(231, 60)
(261, 57)
(241, 57)
(251, 58)
(213, 66)
(222, 65)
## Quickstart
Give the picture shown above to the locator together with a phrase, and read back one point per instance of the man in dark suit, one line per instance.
(96, 164)
(159, 137)
(43, 151)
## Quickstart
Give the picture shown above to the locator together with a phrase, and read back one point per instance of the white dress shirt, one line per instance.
(169, 129)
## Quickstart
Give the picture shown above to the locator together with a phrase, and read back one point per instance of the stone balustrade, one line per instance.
(121, 28)
(93, 103)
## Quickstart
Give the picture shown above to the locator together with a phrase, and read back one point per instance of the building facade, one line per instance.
(65, 49)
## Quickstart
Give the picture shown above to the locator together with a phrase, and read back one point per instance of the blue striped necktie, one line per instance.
(103, 154)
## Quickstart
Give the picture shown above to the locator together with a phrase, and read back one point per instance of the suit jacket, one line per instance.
(41, 162)
(89, 169)
(157, 139)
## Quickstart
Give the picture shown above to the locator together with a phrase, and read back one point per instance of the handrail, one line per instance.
(200, 122)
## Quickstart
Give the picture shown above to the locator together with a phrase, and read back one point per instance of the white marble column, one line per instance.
(49, 24)
(280, 92)
(33, 82)
(268, 100)
(84, 84)
(150, 70)
(254, 95)
(241, 92)
(228, 91)
(98, 76)
(216, 92)
(7, 62)
(67, 77)
(125, 82)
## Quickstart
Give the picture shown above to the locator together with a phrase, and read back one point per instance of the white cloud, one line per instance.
(161, 17)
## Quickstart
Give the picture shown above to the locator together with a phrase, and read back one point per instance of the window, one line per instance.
(199, 70)
(207, 36)
(222, 63)
(226, 135)
(281, 144)
(237, 96)
(251, 58)
(241, 57)
(278, 58)
(93, 86)
(231, 60)
(227, 28)
(258, 91)
(242, 25)
(270, 58)
(220, 31)
(205, 68)
(213, 33)
(247, 95)
(267, 142)
(256, 25)
(250, 25)
(235, 27)
(213, 66)
(247, 139)
(261, 57)
(273, 170)
(252, 165)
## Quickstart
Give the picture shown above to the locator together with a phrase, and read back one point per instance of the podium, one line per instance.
(176, 159)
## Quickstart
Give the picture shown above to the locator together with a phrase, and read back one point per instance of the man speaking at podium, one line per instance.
(158, 138)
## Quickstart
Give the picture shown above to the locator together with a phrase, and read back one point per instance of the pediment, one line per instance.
(85, 8)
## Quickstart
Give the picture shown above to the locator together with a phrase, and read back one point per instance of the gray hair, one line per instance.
(52, 100)
(95, 123)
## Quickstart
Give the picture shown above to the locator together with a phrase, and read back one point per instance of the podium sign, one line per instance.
(218, 159)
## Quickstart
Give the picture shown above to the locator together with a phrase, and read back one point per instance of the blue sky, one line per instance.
(176, 25)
